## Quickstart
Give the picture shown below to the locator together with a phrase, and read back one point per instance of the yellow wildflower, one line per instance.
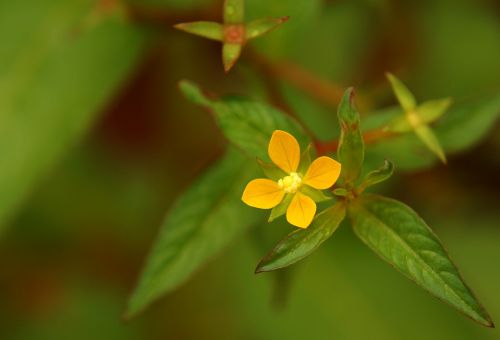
(284, 152)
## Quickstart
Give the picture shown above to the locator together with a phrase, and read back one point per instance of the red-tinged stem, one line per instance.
(301, 78)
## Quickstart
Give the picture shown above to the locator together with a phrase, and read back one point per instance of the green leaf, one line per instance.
(230, 55)
(463, 126)
(206, 29)
(403, 94)
(432, 110)
(430, 140)
(426, 113)
(247, 124)
(206, 218)
(351, 148)
(377, 176)
(271, 171)
(281, 208)
(54, 80)
(305, 160)
(398, 235)
(340, 192)
(260, 27)
(302, 242)
(316, 195)
(234, 11)
(468, 123)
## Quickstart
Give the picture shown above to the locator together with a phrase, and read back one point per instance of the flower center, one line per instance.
(290, 184)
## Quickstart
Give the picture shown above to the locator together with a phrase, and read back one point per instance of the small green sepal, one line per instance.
(377, 176)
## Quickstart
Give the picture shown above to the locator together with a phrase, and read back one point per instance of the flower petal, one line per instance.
(301, 211)
(284, 151)
(262, 193)
(323, 173)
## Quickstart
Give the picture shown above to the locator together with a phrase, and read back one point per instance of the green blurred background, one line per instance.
(97, 142)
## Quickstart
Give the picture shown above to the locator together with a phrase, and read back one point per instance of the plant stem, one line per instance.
(319, 88)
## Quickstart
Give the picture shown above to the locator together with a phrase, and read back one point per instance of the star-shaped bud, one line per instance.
(233, 33)
(418, 117)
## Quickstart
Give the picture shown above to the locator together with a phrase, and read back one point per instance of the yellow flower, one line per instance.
(284, 151)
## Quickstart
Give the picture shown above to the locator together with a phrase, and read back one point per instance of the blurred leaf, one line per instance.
(182, 5)
(259, 27)
(54, 78)
(206, 29)
(234, 11)
(430, 140)
(340, 192)
(246, 124)
(377, 176)
(405, 97)
(426, 113)
(399, 236)
(206, 218)
(452, 33)
(463, 126)
(302, 242)
(467, 124)
(284, 42)
(230, 54)
(432, 110)
(351, 149)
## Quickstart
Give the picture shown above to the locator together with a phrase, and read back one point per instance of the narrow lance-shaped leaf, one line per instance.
(478, 117)
(377, 176)
(398, 235)
(234, 11)
(259, 27)
(230, 55)
(246, 124)
(302, 242)
(426, 113)
(204, 219)
(206, 29)
(405, 97)
(432, 110)
(427, 136)
(53, 83)
(351, 147)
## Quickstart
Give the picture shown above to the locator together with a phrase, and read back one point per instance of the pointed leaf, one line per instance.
(430, 140)
(204, 219)
(432, 110)
(377, 176)
(464, 125)
(271, 170)
(230, 55)
(248, 124)
(305, 160)
(206, 29)
(398, 235)
(302, 242)
(55, 78)
(234, 11)
(317, 195)
(260, 27)
(403, 94)
(281, 208)
(340, 192)
(351, 147)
